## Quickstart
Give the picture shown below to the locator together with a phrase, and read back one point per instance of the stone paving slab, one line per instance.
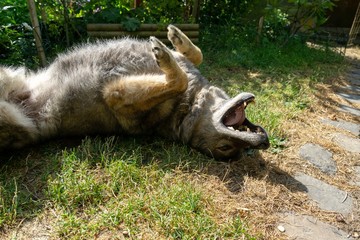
(355, 72)
(348, 143)
(354, 98)
(327, 197)
(319, 157)
(303, 227)
(351, 127)
(348, 109)
(354, 78)
(355, 69)
(352, 88)
(357, 173)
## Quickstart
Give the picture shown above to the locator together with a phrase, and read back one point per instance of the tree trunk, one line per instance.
(37, 32)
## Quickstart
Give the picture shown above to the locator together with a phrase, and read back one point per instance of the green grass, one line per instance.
(142, 186)
(111, 185)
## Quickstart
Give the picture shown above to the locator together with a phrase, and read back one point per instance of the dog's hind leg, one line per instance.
(184, 45)
(129, 96)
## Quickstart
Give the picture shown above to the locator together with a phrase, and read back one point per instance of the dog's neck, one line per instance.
(185, 111)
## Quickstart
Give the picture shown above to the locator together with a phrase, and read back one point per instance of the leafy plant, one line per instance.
(16, 41)
(293, 16)
(131, 24)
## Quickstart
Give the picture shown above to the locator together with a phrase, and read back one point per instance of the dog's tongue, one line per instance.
(235, 118)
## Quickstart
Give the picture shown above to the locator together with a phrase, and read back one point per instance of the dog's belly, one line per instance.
(134, 121)
(88, 122)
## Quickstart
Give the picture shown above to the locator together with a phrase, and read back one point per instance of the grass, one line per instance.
(109, 185)
(146, 188)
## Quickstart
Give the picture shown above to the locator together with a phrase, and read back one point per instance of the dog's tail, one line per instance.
(13, 85)
(16, 129)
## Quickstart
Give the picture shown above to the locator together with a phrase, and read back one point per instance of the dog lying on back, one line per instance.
(126, 86)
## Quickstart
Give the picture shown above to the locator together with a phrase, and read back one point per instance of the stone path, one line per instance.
(308, 228)
(325, 196)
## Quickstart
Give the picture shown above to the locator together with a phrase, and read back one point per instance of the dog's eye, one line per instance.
(225, 148)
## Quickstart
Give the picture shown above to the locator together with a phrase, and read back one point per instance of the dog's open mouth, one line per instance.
(235, 117)
(231, 121)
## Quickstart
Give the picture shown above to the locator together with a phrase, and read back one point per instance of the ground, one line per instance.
(270, 191)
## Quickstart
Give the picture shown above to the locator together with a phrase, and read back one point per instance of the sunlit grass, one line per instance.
(138, 187)
(98, 189)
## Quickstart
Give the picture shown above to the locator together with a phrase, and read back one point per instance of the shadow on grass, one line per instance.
(24, 174)
(23, 179)
(233, 173)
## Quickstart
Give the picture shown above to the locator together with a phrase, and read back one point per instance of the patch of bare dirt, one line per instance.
(39, 228)
(353, 53)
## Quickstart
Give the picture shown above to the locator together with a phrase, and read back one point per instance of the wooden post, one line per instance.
(259, 31)
(195, 10)
(37, 32)
(66, 22)
(137, 3)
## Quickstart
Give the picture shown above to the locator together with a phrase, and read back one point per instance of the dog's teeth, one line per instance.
(231, 128)
(248, 130)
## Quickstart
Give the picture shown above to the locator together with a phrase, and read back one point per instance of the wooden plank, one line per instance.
(158, 34)
(167, 41)
(334, 29)
(164, 40)
(143, 27)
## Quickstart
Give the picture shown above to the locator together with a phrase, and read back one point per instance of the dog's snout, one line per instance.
(265, 145)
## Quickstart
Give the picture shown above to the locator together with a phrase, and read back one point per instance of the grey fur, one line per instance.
(67, 99)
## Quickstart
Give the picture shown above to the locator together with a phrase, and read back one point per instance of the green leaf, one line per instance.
(131, 24)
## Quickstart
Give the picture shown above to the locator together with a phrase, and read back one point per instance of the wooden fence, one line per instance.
(98, 30)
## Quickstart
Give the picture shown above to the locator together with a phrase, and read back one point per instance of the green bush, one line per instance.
(16, 40)
(63, 22)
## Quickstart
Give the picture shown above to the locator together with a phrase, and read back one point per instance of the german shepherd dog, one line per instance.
(126, 86)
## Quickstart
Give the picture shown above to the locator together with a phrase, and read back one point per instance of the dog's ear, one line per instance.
(198, 111)
(188, 125)
(202, 109)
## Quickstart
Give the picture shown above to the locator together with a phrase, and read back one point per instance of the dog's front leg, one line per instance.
(129, 95)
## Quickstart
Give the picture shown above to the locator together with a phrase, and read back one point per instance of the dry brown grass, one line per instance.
(259, 188)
